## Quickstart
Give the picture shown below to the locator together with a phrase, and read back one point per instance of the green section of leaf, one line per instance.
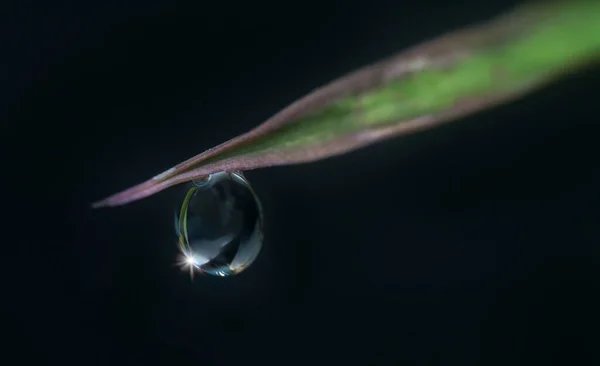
(571, 35)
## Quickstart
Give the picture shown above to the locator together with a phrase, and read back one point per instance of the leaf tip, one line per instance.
(99, 204)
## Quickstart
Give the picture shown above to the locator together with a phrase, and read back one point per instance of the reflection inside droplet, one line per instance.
(220, 225)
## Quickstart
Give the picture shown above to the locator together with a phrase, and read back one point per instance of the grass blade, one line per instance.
(433, 83)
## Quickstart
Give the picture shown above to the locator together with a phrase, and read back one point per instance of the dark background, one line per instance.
(475, 243)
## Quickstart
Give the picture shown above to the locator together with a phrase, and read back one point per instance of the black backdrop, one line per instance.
(475, 243)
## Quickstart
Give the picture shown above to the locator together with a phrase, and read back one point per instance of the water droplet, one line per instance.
(220, 225)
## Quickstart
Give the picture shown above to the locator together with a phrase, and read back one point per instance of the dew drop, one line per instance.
(220, 225)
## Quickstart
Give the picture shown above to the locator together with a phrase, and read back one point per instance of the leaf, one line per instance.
(436, 82)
